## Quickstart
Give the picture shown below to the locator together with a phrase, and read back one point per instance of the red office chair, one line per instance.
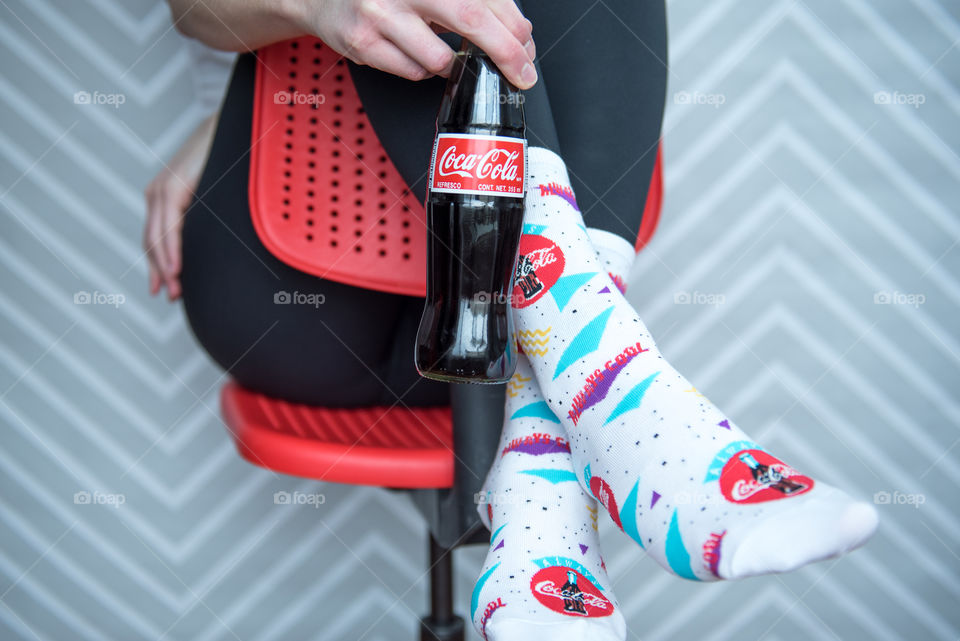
(326, 199)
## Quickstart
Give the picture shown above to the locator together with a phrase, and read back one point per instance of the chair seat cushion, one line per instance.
(384, 446)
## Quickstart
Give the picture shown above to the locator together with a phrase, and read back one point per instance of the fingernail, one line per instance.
(530, 49)
(528, 75)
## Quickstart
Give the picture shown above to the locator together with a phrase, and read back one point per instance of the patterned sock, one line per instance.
(672, 471)
(543, 577)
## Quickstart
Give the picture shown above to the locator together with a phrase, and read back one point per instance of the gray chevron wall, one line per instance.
(805, 277)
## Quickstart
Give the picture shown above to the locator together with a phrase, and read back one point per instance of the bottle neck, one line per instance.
(479, 97)
(467, 47)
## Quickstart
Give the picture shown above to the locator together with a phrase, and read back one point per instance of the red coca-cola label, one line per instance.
(539, 264)
(754, 476)
(567, 591)
(475, 164)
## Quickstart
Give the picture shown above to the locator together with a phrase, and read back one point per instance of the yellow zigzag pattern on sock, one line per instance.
(534, 341)
(517, 383)
(593, 516)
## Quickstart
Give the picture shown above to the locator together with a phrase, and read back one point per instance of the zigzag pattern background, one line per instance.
(804, 277)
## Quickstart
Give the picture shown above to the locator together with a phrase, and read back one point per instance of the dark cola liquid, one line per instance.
(466, 333)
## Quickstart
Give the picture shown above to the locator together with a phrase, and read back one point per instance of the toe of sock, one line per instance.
(813, 531)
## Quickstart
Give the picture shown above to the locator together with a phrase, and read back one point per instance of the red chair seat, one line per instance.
(387, 447)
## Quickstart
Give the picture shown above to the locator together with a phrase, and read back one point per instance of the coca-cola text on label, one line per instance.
(478, 164)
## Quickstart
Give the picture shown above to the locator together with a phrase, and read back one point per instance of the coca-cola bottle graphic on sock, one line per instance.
(474, 220)
(769, 476)
(572, 595)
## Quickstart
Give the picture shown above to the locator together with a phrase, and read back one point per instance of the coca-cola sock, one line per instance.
(543, 577)
(672, 471)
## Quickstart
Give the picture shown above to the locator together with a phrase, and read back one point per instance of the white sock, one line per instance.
(673, 471)
(543, 577)
(559, 522)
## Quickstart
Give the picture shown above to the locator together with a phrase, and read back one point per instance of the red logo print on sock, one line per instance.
(604, 493)
(554, 189)
(539, 265)
(488, 611)
(711, 552)
(566, 591)
(753, 476)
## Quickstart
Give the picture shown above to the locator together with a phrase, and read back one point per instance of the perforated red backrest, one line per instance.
(324, 196)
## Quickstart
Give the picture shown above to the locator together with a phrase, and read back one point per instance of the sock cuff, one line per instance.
(548, 180)
(548, 165)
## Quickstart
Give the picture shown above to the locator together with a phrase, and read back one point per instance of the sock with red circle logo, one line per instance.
(673, 472)
(543, 576)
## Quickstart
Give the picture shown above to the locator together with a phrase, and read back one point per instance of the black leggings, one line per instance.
(599, 102)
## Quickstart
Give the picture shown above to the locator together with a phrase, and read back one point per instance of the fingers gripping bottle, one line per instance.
(474, 220)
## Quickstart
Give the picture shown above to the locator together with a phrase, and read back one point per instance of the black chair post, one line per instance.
(441, 624)
(452, 513)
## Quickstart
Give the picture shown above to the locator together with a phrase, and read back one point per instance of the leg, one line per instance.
(673, 471)
(605, 73)
(336, 353)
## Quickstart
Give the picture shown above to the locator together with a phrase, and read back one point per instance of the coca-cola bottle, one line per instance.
(474, 220)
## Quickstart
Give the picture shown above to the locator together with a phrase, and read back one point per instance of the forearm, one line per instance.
(238, 25)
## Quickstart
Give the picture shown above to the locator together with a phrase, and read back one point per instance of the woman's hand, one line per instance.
(396, 36)
(168, 196)
(400, 36)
